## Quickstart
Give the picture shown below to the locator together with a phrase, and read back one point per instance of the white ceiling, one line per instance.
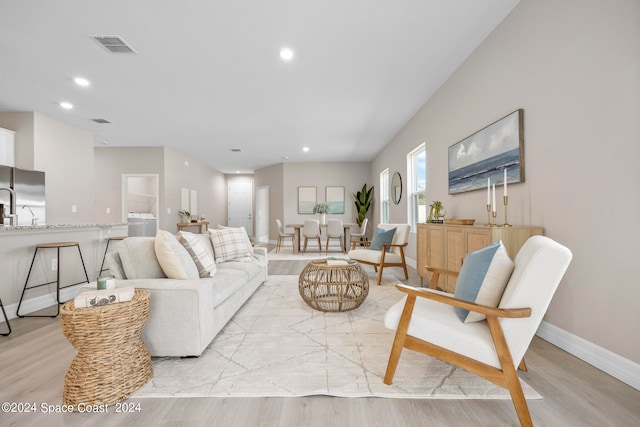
(208, 77)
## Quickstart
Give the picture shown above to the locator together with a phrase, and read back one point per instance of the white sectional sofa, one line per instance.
(187, 311)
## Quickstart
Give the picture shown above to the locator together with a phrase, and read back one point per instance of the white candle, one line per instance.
(505, 181)
(488, 191)
(494, 196)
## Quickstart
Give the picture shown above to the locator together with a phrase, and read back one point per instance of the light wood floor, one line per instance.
(35, 357)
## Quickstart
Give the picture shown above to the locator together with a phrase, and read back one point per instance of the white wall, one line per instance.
(574, 67)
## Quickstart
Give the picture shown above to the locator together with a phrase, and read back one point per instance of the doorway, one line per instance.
(140, 203)
(240, 199)
(262, 214)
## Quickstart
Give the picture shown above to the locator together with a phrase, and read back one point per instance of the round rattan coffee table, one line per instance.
(112, 361)
(327, 287)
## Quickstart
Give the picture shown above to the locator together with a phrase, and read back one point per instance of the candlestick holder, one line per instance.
(488, 224)
(494, 214)
(506, 202)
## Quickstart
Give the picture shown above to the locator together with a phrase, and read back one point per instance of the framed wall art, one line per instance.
(334, 196)
(487, 154)
(307, 199)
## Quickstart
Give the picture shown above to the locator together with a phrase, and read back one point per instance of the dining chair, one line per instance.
(282, 235)
(361, 235)
(335, 230)
(311, 230)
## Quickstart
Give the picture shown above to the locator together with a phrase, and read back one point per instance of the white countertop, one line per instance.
(45, 227)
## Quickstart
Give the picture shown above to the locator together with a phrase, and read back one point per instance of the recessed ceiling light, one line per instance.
(81, 81)
(305, 149)
(286, 54)
(66, 105)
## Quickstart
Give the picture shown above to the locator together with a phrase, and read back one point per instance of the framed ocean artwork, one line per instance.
(334, 197)
(487, 154)
(307, 199)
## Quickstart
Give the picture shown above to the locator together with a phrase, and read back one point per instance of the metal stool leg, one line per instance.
(104, 257)
(6, 319)
(57, 281)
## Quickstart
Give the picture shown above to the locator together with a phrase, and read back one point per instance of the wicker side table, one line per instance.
(112, 361)
(333, 288)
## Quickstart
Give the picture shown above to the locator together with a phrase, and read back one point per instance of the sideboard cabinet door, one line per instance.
(444, 246)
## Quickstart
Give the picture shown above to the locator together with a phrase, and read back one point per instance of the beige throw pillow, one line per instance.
(229, 243)
(174, 258)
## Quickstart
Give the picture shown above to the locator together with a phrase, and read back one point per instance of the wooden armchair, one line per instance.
(426, 321)
(390, 255)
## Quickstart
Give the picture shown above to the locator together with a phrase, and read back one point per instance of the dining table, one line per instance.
(297, 233)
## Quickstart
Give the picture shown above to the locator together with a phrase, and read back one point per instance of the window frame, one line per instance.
(416, 191)
(384, 196)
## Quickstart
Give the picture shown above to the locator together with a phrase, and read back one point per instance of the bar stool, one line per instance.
(106, 250)
(57, 246)
(6, 319)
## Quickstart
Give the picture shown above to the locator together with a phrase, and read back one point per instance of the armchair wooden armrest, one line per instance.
(360, 243)
(435, 275)
(471, 306)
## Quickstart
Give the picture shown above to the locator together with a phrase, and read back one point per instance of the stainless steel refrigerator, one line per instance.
(29, 188)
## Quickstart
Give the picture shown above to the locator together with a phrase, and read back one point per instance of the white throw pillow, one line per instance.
(482, 279)
(174, 258)
(229, 243)
(201, 255)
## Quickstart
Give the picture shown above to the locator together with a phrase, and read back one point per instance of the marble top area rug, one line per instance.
(277, 346)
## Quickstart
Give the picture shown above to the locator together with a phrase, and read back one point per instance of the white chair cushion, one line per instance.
(439, 324)
(174, 258)
(369, 255)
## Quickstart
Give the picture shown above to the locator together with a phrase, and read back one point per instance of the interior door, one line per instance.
(240, 209)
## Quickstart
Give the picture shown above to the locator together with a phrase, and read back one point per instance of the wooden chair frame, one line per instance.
(506, 377)
(378, 267)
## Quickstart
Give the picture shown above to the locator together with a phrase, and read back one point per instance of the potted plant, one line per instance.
(323, 209)
(436, 210)
(363, 202)
(186, 214)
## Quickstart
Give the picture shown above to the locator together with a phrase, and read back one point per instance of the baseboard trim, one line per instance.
(613, 364)
(42, 301)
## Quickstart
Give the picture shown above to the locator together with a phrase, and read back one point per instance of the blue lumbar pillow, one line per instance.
(382, 236)
(482, 279)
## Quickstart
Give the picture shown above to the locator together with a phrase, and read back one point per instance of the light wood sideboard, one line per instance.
(445, 245)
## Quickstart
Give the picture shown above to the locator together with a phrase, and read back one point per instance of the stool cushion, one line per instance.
(174, 258)
(138, 257)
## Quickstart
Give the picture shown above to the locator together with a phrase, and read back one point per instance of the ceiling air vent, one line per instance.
(101, 121)
(115, 44)
(237, 150)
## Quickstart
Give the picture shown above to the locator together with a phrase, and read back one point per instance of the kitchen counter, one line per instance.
(57, 226)
(17, 246)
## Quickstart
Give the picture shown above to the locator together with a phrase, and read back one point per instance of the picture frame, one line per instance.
(307, 199)
(487, 153)
(334, 197)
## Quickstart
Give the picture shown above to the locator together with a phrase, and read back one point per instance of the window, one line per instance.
(416, 177)
(384, 196)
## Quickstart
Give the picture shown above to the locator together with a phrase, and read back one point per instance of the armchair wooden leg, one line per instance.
(522, 366)
(380, 275)
(510, 375)
(398, 341)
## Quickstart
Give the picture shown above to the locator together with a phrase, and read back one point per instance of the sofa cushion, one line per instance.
(138, 257)
(174, 258)
(482, 279)
(229, 243)
(201, 251)
(112, 260)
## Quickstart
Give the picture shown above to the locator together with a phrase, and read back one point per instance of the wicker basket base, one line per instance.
(112, 361)
(333, 288)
